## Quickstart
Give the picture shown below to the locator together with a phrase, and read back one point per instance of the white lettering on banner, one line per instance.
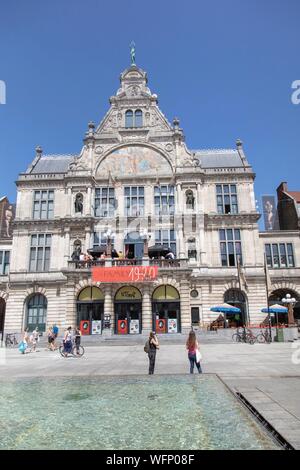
(168, 459)
(296, 95)
(115, 460)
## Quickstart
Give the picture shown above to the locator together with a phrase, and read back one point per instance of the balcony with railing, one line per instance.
(168, 264)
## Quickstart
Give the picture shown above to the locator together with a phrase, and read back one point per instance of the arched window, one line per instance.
(138, 118)
(129, 118)
(236, 298)
(36, 312)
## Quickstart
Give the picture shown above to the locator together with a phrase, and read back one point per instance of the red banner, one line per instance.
(125, 274)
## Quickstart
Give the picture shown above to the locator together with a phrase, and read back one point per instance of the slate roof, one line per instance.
(219, 158)
(51, 164)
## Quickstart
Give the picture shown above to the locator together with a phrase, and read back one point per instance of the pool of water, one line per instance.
(158, 412)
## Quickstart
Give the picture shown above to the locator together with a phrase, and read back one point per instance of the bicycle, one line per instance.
(244, 335)
(264, 337)
(10, 340)
(76, 351)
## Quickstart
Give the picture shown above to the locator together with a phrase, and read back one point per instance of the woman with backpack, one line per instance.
(151, 347)
(193, 352)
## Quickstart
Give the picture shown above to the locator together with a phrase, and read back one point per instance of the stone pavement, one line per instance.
(264, 373)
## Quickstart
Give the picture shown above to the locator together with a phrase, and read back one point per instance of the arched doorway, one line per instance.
(238, 299)
(36, 312)
(166, 310)
(128, 311)
(2, 316)
(276, 298)
(90, 310)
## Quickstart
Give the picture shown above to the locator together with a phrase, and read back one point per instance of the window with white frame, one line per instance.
(227, 202)
(43, 204)
(4, 262)
(164, 200)
(230, 246)
(167, 238)
(104, 202)
(134, 201)
(280, 255)
(40, 251)
(99, 239)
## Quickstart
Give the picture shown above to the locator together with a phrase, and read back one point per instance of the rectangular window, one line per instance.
(280, 255)
(43, 205)
(164, 200)
(40, 251)
(134, 201)
(230, 247)
(4, 263)
(100, 240)
(227, 202)
(104, 202)
(166, 238)
(195, 315)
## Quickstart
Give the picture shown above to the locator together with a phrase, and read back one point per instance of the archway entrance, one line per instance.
(2, 316)
(276, 298)
(36, 312)
(90, 310)
(128, 311)
(166, 310)
(238, 299)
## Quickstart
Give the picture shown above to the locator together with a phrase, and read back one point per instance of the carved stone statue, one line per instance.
(132, 53)
(190, 200)
(79, 203)
(8, 219)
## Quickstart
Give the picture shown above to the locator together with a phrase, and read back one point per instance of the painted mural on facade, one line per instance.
(134, 160)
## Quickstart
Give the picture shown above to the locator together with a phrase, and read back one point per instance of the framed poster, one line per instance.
(134, 327)
(96, 327)
(172, 325)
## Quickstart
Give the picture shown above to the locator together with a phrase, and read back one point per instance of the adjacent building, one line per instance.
(136, 185)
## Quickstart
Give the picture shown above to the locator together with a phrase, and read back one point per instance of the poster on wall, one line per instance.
(172, 325)
(96, 327)
(134, 327)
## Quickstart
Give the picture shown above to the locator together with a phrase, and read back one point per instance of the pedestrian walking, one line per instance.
(153, 345)
(34, 338)
(77, 339)
(68, 341)
(51, 339)
(193, 352)
(55, 334)
(23, 345)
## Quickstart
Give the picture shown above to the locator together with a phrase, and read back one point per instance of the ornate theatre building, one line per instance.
(137, 232)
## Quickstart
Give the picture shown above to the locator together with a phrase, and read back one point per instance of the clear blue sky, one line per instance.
(224, 67)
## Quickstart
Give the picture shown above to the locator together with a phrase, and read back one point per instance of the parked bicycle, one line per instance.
(264, 337)
(244, 335)
(10, 340)
(76, 351)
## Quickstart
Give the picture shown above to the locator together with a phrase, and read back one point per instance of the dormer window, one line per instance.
(138, 118)
(129, 118)
(134, 119)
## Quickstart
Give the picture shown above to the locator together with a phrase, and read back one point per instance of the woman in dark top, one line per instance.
(153, 346)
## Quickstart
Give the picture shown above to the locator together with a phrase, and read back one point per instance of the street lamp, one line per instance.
(108, 235)
(290, 302)
(145, 236)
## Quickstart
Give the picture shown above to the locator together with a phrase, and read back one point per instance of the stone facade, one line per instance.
(135, 175)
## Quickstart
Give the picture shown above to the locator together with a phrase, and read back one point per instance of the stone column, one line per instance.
(181, 249)
(108, 305)
(178, 198)
(67, 246)
(146, 311)
(88, 201)
(87, 238)
(71, 314)
(185, 306)
(69, 203)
